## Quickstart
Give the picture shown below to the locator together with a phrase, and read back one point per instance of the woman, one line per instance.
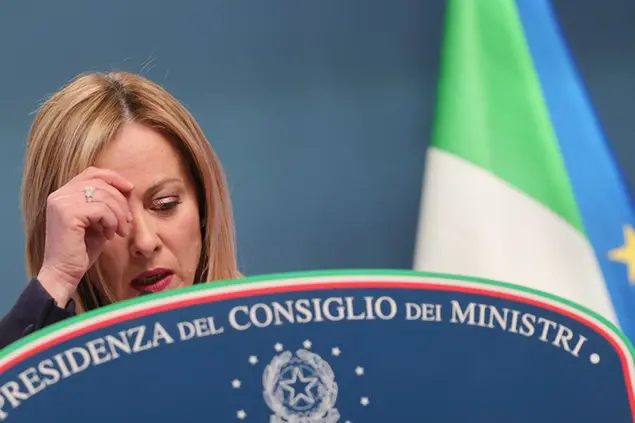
(122, 195)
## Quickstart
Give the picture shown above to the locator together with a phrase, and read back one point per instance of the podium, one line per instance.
(327, 347)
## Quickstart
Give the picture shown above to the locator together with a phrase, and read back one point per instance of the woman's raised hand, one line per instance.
(80, 217)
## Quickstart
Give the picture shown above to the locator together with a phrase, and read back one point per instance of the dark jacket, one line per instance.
(33, 310)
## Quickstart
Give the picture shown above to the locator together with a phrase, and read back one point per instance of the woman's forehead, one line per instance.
(138, 146)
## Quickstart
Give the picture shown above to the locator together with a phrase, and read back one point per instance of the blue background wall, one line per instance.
(320, 111)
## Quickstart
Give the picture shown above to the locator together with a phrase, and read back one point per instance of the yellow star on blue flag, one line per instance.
(626, 253)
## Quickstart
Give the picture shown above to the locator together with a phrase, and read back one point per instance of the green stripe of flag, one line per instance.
(490, 109)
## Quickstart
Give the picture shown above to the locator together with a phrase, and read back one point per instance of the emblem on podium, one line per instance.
(300, 388)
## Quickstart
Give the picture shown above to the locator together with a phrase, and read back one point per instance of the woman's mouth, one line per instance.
(153, 281)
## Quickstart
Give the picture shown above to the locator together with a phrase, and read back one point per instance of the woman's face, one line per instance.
(164, 246)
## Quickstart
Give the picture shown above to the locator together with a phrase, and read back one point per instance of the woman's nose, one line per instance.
(144, 240)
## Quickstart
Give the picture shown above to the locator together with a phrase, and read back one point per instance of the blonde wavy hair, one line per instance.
(71, 129)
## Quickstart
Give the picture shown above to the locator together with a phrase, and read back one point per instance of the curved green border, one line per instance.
(306, 274)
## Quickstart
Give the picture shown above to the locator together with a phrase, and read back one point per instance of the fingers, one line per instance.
(108, 192)
(70, 204)
(108, 176)
(110, 188)
(114, 200)
(100, 217)
(108, 211)
(103, 214)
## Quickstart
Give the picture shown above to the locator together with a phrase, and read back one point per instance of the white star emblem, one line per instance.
(336, 351)
(278, 347)
(307, 396)
(241, 414)
(235, 384)
(253, 359)
(359, 371)
(307, 344)
(364, 401)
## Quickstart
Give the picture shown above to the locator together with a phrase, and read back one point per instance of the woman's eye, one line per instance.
(165, 203)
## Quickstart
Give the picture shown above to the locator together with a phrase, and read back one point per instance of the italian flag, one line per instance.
(498, 197)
